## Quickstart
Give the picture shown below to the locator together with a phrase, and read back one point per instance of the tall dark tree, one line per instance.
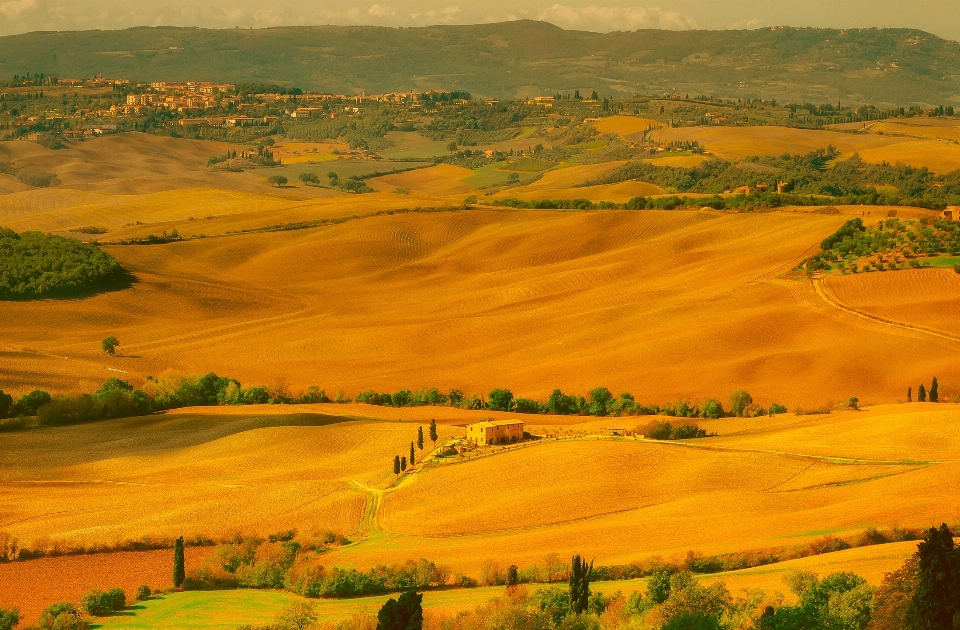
(433, 433)
(403, 463)
(413, 455)
(935, 601)
(420, 438)
(403, 613)
(513, 576)
(921, 393)
(580, 585)
(6, 404)
(909, 394)
(934, 390)
(179, 574)
(396, 464)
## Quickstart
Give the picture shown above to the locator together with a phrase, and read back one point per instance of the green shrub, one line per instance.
(9, 618)
(143, 592)
(35, 265)
(96, 603)
(777, 409)
(62, 616)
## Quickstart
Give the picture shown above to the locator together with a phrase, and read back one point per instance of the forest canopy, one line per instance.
(34, 265)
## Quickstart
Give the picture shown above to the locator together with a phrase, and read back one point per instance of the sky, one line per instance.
(941, 17)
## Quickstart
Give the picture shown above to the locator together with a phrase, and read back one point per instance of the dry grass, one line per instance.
(294, 152)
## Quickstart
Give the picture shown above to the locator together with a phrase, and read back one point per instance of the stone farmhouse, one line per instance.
(495, 432)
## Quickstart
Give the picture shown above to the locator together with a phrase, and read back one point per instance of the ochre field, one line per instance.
(301, 285)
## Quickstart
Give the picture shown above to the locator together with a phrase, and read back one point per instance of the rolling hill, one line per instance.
(885, 67)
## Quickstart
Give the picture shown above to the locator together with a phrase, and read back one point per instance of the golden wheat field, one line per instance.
(735, 143)
(305, 286)
(255, 470)
(661, 304)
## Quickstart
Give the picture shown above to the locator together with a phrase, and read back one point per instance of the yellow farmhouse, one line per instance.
(496, 432)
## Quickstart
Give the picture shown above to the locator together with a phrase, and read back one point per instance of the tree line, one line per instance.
(118, 398)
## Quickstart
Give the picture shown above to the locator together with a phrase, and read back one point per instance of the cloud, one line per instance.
(14, 8)
(444, 16)
(613, 18)
(380, 11)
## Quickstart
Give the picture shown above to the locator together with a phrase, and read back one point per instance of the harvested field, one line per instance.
(641, 500)
(736, 143)
(583, 294)
(193, 473)
(443, 179)
(936, 155)
(616, 193)
(928, 298)
(33, 585)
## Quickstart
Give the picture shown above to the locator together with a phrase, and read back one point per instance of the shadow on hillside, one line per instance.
(167, 431)
(120, 281)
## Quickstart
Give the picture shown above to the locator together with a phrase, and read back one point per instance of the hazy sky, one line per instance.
(941, 17)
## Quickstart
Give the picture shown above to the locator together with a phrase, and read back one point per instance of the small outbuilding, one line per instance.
(495, 432)
(952, 213)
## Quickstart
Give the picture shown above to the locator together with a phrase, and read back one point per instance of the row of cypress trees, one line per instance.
(933, 394)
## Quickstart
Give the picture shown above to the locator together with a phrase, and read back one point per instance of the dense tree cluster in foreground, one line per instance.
(36, 265)
(919, 596)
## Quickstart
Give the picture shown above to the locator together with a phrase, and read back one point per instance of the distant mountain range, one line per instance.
(517, 59)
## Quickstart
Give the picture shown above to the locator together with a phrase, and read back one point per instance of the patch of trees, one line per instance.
(34, 265)
(745, 202)
(814, 173)
(891, 244)
(119, 399)
(297, 566)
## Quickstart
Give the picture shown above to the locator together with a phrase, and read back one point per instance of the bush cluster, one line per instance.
(35, 265)
(102, 603)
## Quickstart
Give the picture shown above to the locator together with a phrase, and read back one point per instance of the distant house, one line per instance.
(495, 432)
(952, 213)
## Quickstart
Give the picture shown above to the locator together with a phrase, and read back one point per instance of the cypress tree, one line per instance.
(412, 455)
(909, 394)
(420, 438)
(580, 585)
(396, 464)
(403, 463)
(921, 393)
(178, 561)
(935, 602)
(513, 576)
(433, 433)
(934, 390)
(403, 613)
